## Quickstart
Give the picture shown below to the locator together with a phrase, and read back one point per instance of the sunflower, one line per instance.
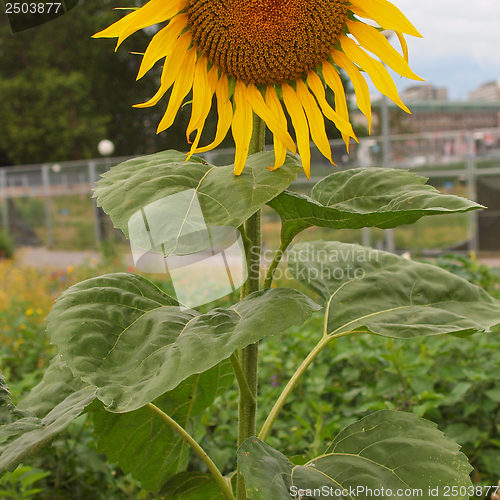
(265, 57)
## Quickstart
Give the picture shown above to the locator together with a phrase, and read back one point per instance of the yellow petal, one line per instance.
(154, 12)
(316, 85)
(358, 82)
(202, 95)
(254, 97)
(332, 79)
(404, 45)
(203, 91)
(241, 127)
(315, 119)
(386, 14)
(173, 67)
(358, 11)
(225, 113)
(162, 43)
(379, 75)
(300, 125)
(195, 144)
(182, 86)
(374, 41)
(274, 105)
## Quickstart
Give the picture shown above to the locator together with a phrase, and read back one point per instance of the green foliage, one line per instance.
(26, 434)
(162, 374)
(393, 450)
(76, 96)
(225, 200)
(192, 486)
(6, 246)
(138, 440)
(20, 483)
(472, 270)
(406, 299)
(355, 198)
(65, 134)
(438, 378)
(143, 345)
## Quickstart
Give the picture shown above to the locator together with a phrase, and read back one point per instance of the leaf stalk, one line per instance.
(290, 386)
(224, 486)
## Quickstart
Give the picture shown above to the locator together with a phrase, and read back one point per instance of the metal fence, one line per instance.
(50, 204)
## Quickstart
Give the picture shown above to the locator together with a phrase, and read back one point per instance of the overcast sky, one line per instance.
(461, 44)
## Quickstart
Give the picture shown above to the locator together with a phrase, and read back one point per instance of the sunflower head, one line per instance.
(267, 57)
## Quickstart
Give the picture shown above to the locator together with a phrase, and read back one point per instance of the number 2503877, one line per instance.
(32, 7)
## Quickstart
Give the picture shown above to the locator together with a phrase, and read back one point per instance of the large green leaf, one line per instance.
(192, 486)
(225, 199)
(267, 472)
(370, 291)
(143, 445)
(122, 334)
(57, 383)
(387, 450)
(374, 197)
(26, 435)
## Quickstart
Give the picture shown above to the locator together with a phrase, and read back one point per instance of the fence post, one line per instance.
(48, 205)
(5, 201)
(390, 244)
(363, 157)
(97, 222)
(472, 194)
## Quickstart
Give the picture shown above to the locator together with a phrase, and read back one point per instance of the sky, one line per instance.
(461, 45)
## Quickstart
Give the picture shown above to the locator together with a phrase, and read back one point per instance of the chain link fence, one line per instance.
(50, 204)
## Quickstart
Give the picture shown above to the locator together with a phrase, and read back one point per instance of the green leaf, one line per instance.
(140, 442)
(267, 472)
(57, 383)
(7, 409)
(192, 486)
(47, 409)
(494, 394)
(374, 197)
(122, 334)
(388, 449)
(377, 292)
(225, 199)
(26, 435)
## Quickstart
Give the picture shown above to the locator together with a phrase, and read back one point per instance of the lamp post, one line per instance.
(105, 148)
(390, 244)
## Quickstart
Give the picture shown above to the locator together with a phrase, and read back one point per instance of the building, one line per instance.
(436, 116)
(424, 92)
(487, 92)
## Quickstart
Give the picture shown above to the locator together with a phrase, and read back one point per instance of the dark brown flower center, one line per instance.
(266, 41)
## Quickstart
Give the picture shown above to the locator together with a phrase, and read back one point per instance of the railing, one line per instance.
(464, 156)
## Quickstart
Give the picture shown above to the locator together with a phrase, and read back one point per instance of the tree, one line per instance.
(62, 91)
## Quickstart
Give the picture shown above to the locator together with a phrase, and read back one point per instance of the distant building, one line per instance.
(487, 92)
(435, 116)
(424, 92)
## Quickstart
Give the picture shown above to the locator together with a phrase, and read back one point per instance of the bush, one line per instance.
(453, 382)
(6, 246)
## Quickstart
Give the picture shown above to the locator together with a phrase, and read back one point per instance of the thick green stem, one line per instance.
(218, 477)
(247, 411)
(240, 376)
(280, 402)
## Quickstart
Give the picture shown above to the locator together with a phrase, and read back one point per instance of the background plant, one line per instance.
(337, 391)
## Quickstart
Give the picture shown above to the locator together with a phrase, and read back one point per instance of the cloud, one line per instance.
(460, 48)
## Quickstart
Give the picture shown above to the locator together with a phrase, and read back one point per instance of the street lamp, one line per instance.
(106, 147)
